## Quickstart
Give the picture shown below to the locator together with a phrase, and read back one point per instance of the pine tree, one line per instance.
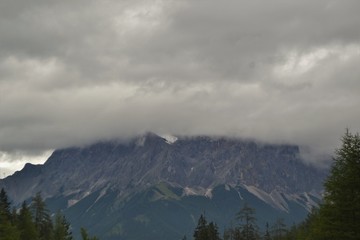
(5, 206)
(34, 222)
(212, 231)
(205, 230)
(200, 232)
(42, 218)
(267, 233)
(229, 234)
(14, 216)
(279, 229)
(8, 230)
(340, 211)
(85, 235)
(61, 228)
(248, 227)
(26, 224)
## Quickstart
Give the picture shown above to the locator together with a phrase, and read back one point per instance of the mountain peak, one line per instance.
(151, 170)
(147, 138)
(170, 139)
(197, 162)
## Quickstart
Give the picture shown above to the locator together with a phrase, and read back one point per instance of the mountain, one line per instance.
(153, 187)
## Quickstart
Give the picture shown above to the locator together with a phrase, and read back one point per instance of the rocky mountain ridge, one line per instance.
(133, 189)
(198, 162)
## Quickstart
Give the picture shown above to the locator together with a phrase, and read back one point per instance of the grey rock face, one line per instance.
(197, 162)
(153, 188)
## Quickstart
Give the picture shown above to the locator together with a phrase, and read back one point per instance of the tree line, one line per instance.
(245, 229)
(336, 218)
(34, 222)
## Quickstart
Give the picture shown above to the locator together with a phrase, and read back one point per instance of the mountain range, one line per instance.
(156, 187)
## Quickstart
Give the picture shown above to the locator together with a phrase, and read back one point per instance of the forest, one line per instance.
(336, 218)
(34, 222)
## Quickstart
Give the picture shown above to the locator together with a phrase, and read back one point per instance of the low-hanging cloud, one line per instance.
(73, 72)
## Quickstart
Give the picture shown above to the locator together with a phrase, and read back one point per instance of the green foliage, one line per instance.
(200, 232)
(26, 225)
(61, 228)
(340, 212)
(279, 229)
(85, 235)
(205, 230)
(34, 222)
(267, 233)
(5, 213)
(8, 230)
(338, 217)
(42, 218)
(248, 228)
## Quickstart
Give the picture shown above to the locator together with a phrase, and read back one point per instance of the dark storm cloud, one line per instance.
(72, 72)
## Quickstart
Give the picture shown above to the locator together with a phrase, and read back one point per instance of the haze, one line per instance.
(73, 72)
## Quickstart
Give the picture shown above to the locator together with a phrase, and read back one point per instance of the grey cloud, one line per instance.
(72, 72)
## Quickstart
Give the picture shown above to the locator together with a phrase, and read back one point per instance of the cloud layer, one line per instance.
(72, 72)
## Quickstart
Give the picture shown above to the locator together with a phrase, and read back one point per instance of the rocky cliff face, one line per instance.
(112, 186)
(198, 162)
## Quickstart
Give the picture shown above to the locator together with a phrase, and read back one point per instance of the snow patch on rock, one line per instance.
(169, 139)
(198, 192)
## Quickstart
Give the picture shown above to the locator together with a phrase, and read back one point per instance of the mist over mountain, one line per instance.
(151, 179)
(72, 73)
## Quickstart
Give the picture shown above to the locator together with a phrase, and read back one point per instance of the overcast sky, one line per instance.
(72, 72)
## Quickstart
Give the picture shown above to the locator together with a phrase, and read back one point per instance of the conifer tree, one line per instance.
(5, 206)
(340, 212)
(279, 229)
(205, 230)
(85, 235)
(229, 234)
(212, 231)
(26, 224)
(61, 228)
(8, 230)
(200, 232)
(14, 216)
(267, 233)
(248, 227)
(34, 222)
(42, 218)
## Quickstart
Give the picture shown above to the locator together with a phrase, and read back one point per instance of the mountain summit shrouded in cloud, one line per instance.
(152, 187)
(73, 72)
